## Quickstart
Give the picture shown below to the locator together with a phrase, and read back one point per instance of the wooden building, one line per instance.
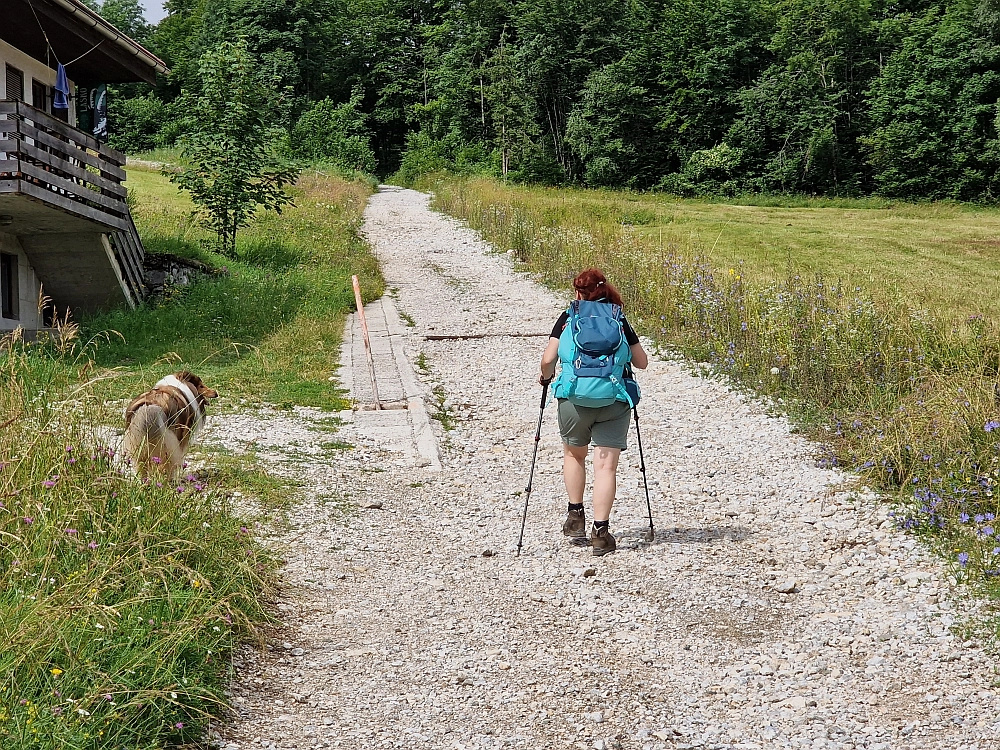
(65, 226)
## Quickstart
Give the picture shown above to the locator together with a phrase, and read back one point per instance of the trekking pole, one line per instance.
(649, 535)
(534, 455)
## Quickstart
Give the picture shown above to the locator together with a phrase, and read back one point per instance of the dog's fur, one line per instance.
(161, 423)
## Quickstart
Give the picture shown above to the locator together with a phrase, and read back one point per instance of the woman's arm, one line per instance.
(639, 358)
(549, 357)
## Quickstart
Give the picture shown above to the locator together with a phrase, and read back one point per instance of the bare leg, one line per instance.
(575, 471)
(605, 481)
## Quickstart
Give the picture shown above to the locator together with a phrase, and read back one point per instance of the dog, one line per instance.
(161, 423)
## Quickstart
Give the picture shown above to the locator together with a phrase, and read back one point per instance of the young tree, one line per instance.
(234, 169)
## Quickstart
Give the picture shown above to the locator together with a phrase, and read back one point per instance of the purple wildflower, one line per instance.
(963, 558)
(991, 425)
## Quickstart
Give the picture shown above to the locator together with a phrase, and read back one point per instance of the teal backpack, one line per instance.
(594, 356)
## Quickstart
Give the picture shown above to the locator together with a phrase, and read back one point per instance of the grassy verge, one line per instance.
(267, 327)
(899, 385)
(120, 601)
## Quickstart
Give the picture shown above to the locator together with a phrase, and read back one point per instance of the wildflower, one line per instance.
(156, 459)
(987, 531)
(979, 518)
(29, 520)
(179, 725)
(92, 545)
(775, 371)
(991, 425)
(69, 448)
(71, 532)
(107, 696)
(180, 490)
(963, 518)
(963, 558)
(56, 671)
(48, 484)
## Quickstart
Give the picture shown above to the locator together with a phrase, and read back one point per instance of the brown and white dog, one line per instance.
(161, 423)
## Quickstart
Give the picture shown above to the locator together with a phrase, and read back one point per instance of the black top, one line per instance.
(630, 335)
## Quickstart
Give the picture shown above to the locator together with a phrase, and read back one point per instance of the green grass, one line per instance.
(121, 601)
(941, 255)
(267, 327)
(876, 328)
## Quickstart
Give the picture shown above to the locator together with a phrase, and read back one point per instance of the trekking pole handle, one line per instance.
(545, 391)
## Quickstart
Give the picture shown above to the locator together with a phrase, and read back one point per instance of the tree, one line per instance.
(234, 169)
(335, 133)
(127, 16)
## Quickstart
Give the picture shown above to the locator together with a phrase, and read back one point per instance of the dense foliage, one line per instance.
(838, 97)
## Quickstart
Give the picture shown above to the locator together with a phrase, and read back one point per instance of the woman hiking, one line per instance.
(593, 404)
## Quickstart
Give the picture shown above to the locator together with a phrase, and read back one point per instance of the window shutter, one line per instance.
(15, 84)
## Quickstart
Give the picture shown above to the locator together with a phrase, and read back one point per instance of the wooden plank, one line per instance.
(96, 215)
(126, 248)
(115, 157)
(45, 121)
(11, 168)
(468, 336)
(61, 146)
(71, 150)
(116, 205)
(133, 275)
(62, 165)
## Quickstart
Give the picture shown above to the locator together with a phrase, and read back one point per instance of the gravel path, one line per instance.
(411, 624)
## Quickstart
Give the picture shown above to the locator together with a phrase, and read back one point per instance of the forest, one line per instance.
(690, 97)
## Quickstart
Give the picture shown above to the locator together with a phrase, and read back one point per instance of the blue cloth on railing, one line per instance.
(60, 94)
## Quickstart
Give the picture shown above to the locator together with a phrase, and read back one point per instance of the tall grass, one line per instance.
(119, 600)
(267, 324)
(890, 390)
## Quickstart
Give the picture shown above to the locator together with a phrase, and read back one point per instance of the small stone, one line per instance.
(488, 553)
(785, 587)
(597, 717)
(503, 665)
(298, 651)
(589, 572)
(375, 505)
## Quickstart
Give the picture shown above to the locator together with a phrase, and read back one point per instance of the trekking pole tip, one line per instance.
(648, 535)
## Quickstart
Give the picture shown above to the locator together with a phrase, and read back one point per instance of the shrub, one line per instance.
(334, 133)
(136, 123)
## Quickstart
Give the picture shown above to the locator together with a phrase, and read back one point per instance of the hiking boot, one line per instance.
(602, 540)
(575, 524)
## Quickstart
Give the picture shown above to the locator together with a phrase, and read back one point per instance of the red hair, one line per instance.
(592, 285)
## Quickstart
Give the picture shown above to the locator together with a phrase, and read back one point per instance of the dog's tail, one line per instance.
(145, 437)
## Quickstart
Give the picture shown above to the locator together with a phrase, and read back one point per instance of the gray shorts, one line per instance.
(604, 426)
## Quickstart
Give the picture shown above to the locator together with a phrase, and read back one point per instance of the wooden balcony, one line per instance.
(49, 161)
(61, 194)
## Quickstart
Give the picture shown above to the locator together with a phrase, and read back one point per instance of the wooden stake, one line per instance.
(368, 345)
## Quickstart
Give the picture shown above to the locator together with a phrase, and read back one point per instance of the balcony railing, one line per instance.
(53, 162)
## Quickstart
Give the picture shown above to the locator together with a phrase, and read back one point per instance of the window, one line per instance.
(15, 84)
(9, 291)
(39, 95)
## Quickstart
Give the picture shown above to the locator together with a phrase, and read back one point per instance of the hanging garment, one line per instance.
(60, 96)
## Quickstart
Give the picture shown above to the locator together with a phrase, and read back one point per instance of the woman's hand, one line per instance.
(542, 380)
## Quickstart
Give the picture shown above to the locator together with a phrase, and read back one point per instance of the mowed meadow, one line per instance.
(874, 324)
(121, 600)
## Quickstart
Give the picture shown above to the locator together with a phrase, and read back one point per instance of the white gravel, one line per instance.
(413, 625)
